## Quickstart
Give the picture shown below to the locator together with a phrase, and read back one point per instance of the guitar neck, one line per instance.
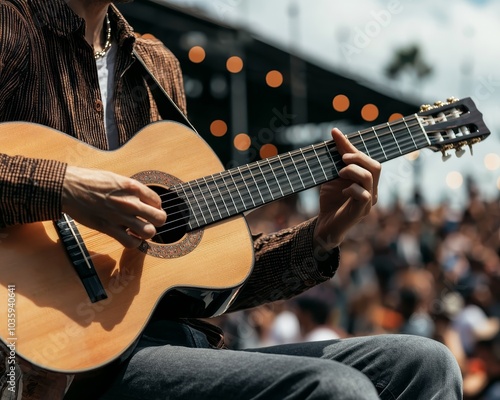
(223, 195)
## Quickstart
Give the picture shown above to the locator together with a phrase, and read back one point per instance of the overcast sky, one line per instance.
(458, 39)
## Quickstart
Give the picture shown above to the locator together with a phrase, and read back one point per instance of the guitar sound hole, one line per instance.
(177, 217)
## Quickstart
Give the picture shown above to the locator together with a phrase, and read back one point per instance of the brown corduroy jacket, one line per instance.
(48, 76)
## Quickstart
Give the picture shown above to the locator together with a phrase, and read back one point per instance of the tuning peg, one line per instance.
(452, 99)
(445, 156)
(426, 107)
(439, 104)
(459, 152)
(470, 148)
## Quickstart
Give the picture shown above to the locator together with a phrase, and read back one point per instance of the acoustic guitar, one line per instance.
(78, 299)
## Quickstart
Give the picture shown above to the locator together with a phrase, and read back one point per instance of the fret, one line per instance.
(404, 140)
(210, 196)
(209, 209)
(378, 139)
(418, 130)
(240, 196)
(221, 196)
(191, 203)
(319, 162)
(373, 143)
(226, 187)
(275, 177)
(387, 142)
(330, 156)
(203, 213)
(364, 144)
(308, 166)
(256, 184)
(265, 179)
(394, 137)
(409, 131)
(212, 185)
(422, 130)
(247, 188)
(296, 169)
(292, 190)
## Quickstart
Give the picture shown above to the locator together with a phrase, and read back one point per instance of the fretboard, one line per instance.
(228, 193)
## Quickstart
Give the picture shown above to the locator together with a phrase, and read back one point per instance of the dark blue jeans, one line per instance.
(175, 361)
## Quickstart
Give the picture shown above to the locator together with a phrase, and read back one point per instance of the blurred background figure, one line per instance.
(314, 315)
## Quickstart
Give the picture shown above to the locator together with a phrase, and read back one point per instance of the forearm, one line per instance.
(30, 189)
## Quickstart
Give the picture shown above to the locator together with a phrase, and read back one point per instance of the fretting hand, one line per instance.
(347, 200)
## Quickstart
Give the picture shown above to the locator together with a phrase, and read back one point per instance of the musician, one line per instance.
(68, 64)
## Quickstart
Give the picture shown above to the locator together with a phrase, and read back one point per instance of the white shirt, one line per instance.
(106, 72)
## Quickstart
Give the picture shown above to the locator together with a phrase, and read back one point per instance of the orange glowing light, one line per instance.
(274, 79)
(197, 54)
(369, 112)
(395, 117)
(268, 150)
(242, 141)
(234, 64)
(218, 128)
(341, 103)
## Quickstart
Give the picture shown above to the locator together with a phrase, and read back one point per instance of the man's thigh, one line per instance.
(160, 371)
(399, 366)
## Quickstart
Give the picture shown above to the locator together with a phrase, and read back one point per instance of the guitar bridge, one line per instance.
(80, 258)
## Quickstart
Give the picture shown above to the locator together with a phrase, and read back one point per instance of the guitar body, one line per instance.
(57, 327)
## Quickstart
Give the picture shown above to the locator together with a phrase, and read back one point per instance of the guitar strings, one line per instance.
(275, 183)
(217, 204)
(295, 153)
(221, 176)
(200, 191)
(404, 147)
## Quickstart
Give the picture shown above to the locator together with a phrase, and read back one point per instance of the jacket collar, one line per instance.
(57, 16)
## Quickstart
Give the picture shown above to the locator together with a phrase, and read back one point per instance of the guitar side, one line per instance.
(57, 327)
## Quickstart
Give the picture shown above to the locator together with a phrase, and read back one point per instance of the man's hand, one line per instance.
(120, 207)
(347, 200)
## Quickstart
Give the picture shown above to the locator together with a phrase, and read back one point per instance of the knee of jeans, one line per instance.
(429, 356)
(345, 384)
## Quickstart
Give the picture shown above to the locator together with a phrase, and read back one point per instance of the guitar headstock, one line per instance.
(453, 124)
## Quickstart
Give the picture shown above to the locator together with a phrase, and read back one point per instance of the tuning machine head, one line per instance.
(437, 104)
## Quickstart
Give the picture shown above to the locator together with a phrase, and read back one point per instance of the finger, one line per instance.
(133, 206)
(343, 144)
(368, 163)
(151, 214)
(359, 175)
(358, 193)
(150, 207)
(144, 193)
(124, 237)
(138, 227)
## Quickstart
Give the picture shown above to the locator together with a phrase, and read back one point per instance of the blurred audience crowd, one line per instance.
(410, 269)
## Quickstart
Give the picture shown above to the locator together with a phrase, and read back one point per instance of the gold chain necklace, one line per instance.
(107, 45)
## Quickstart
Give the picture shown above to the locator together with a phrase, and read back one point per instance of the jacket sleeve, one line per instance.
(30, 190)
(286, 264)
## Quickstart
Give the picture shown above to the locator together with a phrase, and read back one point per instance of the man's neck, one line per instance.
(94, 13)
